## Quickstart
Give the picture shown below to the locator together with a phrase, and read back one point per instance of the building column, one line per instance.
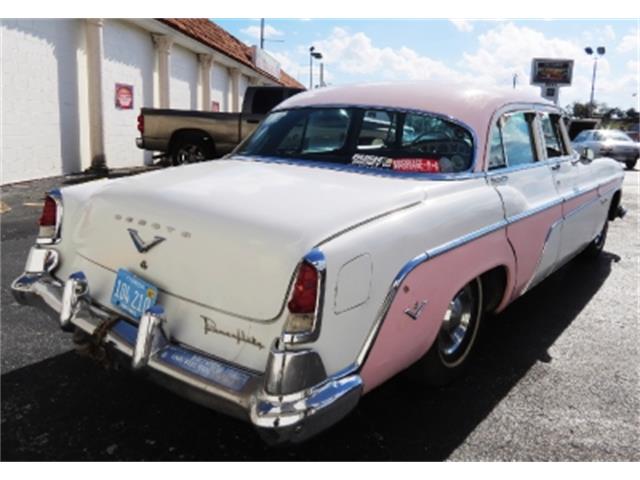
(235, 89)
(206, 61)
(95, 54)
(163, 44)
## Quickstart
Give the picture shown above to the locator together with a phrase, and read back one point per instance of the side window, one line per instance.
(496, 151)
(517, 135)
(378, 130)
(552, 134)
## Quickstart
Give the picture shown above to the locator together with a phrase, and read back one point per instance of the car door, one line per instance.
(576, 184)
(532, 207)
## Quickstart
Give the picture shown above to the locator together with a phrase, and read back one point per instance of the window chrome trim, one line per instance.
(475, 154)
(345, 167)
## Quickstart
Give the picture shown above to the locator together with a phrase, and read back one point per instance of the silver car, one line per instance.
(609, 143)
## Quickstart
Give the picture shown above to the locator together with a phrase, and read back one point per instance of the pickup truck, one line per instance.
(188, 136)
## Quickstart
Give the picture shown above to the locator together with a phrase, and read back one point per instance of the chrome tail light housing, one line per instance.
(50, 219)
(304, 308)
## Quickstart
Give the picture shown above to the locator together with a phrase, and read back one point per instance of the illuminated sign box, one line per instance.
(265, 62)
(551, 71)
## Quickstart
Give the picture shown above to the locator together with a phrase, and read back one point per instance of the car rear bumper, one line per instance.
(293, 400)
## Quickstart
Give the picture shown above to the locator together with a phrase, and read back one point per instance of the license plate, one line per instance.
(133, 295)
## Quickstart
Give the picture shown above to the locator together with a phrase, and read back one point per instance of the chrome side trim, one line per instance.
(408, 268)
(56, 195)
(444, 248)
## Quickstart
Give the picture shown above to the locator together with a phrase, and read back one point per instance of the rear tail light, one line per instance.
(50, 218)
(305, 290)
(305, 303)
(141, 124)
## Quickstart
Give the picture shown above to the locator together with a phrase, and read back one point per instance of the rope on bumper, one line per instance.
(93, 345)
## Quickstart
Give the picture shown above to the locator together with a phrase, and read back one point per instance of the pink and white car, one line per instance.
(358, 232)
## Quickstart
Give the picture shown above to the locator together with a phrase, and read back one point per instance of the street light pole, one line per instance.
(600, 51)
(318, 56)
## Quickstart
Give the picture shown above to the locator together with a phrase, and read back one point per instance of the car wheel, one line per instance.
(596, 246)
(190, 150)
(631, 164)
(450, 352)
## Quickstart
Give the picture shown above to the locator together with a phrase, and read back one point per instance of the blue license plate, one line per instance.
(133, 295)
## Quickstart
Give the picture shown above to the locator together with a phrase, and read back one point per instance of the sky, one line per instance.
(458, 52)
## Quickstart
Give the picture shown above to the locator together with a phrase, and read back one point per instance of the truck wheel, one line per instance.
(631, 164)
(597, 244)
(190, 149)
(450, 352)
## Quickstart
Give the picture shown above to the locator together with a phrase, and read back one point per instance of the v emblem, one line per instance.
(140, 244)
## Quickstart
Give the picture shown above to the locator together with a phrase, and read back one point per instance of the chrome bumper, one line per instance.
(293, 400)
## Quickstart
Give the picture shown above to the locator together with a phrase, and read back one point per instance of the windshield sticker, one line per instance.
(420, 165)
(371, 161)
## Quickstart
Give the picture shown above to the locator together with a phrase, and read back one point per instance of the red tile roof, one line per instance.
(212, 35)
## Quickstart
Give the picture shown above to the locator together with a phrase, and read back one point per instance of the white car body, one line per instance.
(391, 251)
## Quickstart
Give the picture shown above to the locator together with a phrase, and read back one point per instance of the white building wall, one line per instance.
(242, 88)
(220, 86)
(39, 101)
(184, 79)
(129, 59)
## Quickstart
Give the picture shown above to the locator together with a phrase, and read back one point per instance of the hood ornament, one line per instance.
(140, 244)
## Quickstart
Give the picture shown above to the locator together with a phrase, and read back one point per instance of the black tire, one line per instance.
(596, 246)
(631, 164)
(191, 149)
(448, 357)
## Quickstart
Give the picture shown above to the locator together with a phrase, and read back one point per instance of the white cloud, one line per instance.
(462, 24)
(269, 32)
(629, 43)
(356, 54)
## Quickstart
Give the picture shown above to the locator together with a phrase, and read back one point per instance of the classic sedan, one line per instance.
(324, 256)
(609, 143)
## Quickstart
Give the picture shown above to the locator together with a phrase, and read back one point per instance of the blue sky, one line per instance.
(483, 52)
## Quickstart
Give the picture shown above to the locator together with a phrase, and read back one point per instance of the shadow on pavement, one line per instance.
(67, 408)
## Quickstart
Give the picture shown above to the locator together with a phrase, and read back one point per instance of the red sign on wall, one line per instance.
(124, 96)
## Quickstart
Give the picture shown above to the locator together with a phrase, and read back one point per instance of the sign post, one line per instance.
(550, 74)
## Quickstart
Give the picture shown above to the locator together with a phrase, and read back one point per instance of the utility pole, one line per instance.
(515, 80)
(262, 34)
(322, 74)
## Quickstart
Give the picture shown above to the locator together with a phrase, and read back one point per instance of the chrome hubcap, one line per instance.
(190, 154)
(458, 324)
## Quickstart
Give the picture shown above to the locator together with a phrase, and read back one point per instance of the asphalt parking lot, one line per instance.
(556, 377)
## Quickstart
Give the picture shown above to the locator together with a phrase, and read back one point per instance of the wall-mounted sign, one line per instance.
(124, 96)
(265, 62)
(551, 71)
(215, 106)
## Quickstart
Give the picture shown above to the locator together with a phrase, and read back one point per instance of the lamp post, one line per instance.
(318, 56)
(600, 51)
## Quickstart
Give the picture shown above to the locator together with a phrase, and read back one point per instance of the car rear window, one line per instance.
(374, 138)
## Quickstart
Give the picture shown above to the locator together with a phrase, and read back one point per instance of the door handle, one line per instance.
(499, 180)
(555, 166)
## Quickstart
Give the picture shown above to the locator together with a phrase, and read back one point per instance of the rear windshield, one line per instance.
(374, 138)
